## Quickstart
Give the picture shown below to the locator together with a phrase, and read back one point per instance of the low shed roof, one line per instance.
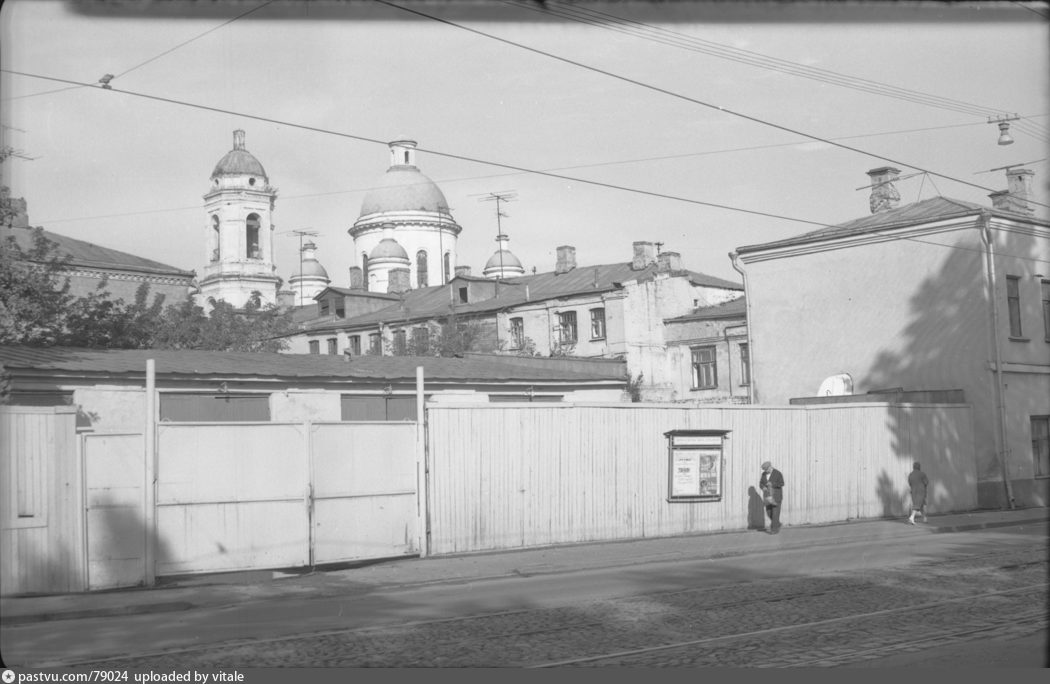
(128, 363)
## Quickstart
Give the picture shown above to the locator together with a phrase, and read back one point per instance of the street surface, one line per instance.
(943, 600)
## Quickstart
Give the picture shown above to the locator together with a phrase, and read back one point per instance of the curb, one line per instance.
(119, 611)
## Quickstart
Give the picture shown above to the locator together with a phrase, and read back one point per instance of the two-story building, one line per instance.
(941, 294)
(602, 311)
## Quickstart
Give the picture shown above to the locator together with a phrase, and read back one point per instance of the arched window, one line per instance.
(216, 245)
(253, 251)
(364, 271)
(445, 265)
(421, 268)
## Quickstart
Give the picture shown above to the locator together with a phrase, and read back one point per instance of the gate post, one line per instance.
(149, 486)
(422, 470)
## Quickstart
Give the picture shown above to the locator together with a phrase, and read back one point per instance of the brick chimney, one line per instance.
(644, 255)
(566, 259)
(357, 278)
(1019, 191)
(668, 262)
(285, 299)
(462, 270)
(884, 195)
(399, 280)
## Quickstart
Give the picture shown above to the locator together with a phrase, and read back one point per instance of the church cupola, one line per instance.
(413, 204)
(312, 277)
(503, 264)
(403, 152)
(385, 257)
(238, 231)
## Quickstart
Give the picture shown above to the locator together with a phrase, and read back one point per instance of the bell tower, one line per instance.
(239, 231)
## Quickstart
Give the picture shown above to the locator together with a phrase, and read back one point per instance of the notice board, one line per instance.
(695, 464)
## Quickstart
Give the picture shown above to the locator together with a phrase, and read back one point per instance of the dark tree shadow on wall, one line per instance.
(944, 346)
(117, 540)
(893, 500)
(756, 510)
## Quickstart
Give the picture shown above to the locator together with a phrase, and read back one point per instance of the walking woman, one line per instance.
(918, 483)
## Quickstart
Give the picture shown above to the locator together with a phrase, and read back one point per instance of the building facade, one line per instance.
(937, 295)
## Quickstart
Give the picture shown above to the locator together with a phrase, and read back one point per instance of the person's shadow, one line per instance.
(756, 510)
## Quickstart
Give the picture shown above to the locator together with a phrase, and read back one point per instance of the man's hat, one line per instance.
(767, 464)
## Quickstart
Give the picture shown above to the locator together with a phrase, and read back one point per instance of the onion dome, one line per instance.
(239, 161)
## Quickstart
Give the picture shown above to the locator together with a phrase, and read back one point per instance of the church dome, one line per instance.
(388, 249)
(503, 259)
(404, 188)
(238, 161)
(314, 269)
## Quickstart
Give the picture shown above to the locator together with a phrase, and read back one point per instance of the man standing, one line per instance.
(772, 485)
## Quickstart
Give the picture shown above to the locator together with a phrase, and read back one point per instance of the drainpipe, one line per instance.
(752, 388)
(986, 237)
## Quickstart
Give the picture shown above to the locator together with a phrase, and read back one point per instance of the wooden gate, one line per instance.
(241, 496)
(114, 489)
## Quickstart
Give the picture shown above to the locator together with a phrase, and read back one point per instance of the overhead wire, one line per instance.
(474, 160)
(438, 153)
(151, 59)
(461, 179)
(664, 36)
(685, 97)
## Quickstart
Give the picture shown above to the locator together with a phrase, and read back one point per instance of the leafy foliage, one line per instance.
(452, 337)
(36, 308)
(34, 294)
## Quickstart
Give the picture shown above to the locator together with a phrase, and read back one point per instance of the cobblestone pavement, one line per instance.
(817, 621)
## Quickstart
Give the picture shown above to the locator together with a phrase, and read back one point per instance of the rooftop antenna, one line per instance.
(6, 151)
(1010, 166)
(499, 197)
(302, 233)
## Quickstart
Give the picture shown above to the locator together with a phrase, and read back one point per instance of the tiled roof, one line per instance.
(736, 308)
(436, 301)
(89, 255)
(132, 363)
(926, 211)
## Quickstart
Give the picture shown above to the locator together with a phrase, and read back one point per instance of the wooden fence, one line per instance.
(519, 475)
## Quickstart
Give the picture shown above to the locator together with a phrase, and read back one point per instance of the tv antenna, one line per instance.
(499, 198)
(8, 151)
(301, 234)
(1010, 166)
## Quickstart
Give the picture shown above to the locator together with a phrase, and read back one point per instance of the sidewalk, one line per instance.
(188, 592)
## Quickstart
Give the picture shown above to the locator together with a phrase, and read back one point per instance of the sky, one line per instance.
(689, 124)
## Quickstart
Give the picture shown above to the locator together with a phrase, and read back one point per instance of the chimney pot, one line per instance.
(357, 279)
(668, 262)
(1019, 191)
(398, 281)
(566, 259)
(644, 255)
(884, 195)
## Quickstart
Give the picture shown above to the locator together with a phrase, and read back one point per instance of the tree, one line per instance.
(34, 292)
(37, 309)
